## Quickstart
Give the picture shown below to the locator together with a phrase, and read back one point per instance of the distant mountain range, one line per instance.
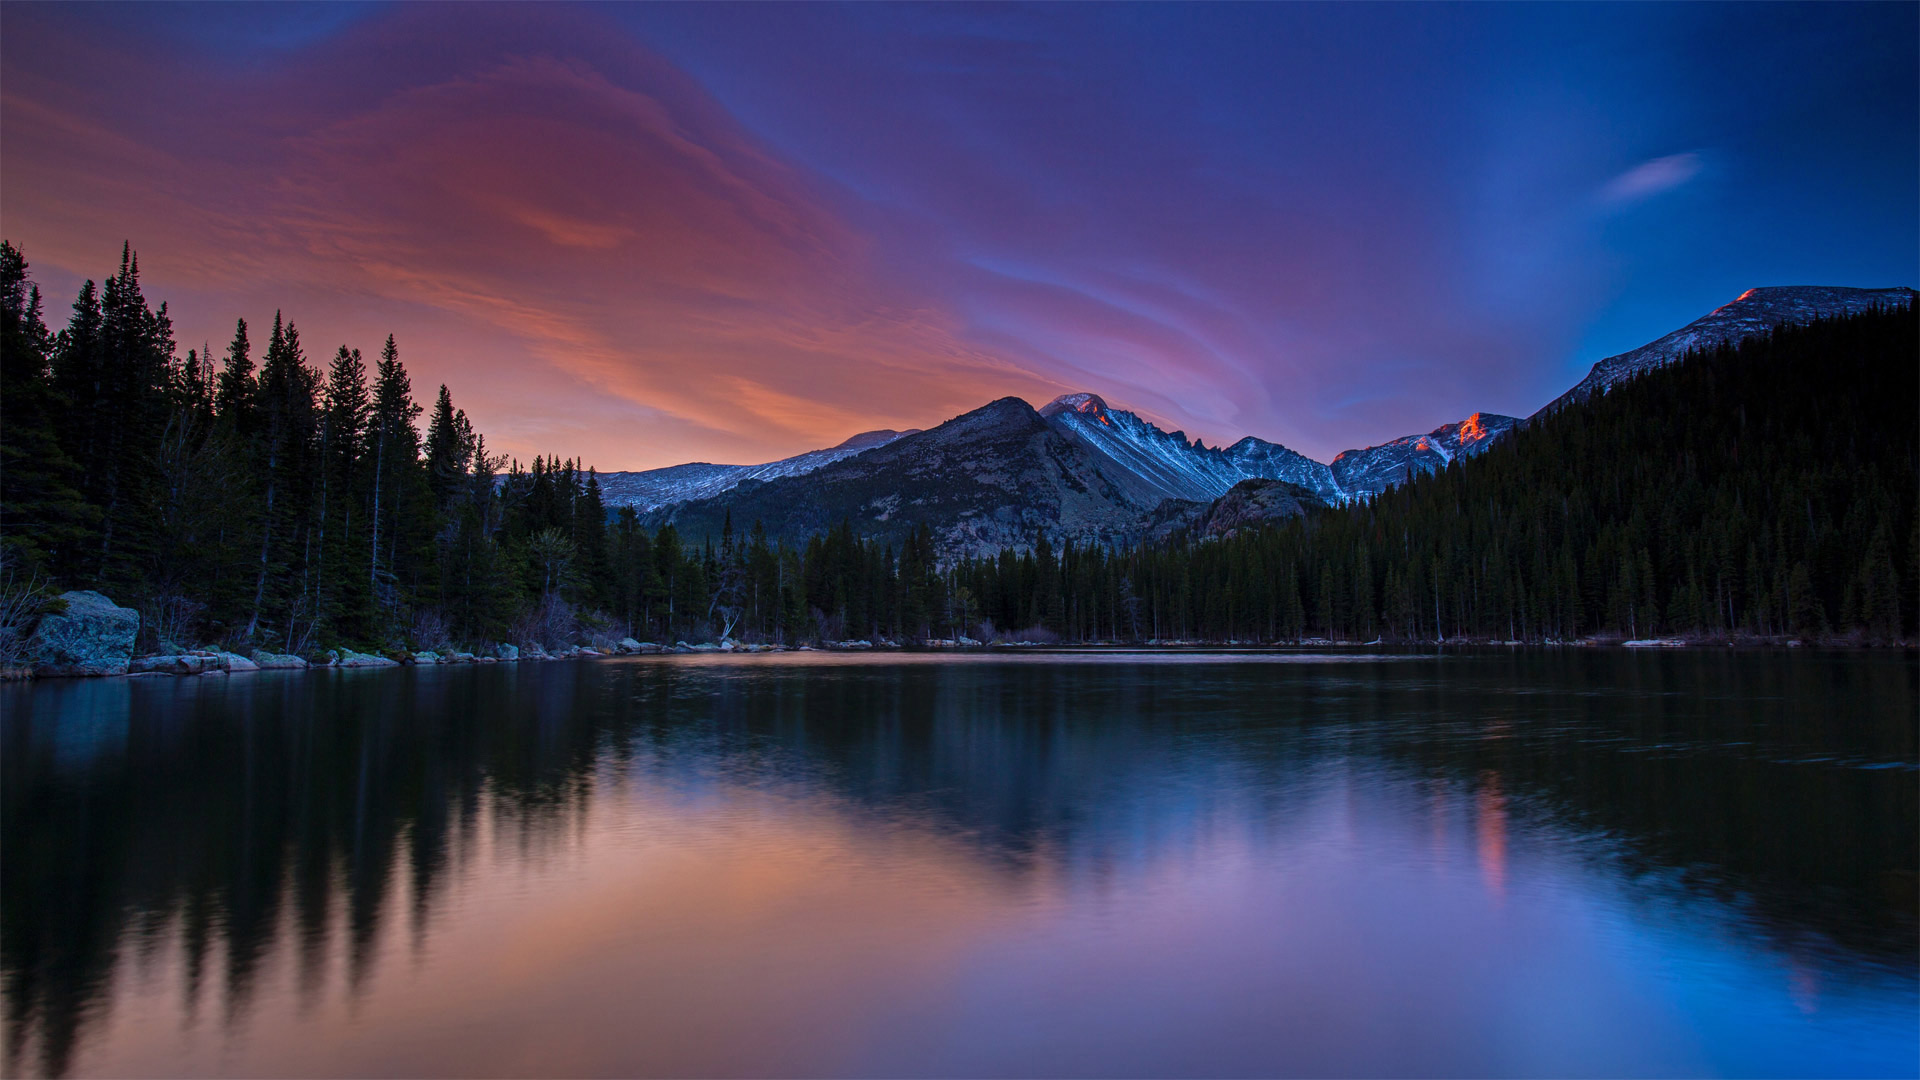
(655, 488)
(1079, 469)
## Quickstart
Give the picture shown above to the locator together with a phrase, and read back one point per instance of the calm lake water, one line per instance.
(1546, 862)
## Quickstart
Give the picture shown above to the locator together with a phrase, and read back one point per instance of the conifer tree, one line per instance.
(396, 449)
(344, 493)
(287, 435)
(449, 450)
(42, 513)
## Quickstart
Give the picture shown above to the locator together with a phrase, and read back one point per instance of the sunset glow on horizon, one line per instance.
(640, 236)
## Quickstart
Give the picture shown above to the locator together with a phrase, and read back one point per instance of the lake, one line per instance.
(1527, 862)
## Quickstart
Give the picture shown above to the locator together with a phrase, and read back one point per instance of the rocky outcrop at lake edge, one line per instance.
(88, 635)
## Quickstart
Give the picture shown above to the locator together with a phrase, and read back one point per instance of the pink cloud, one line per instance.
(558, 232)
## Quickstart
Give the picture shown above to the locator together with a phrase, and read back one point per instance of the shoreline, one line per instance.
(227, 664)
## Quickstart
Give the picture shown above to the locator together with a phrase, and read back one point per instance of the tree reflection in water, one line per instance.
(231, 819)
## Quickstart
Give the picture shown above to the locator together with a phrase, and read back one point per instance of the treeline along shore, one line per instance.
(263, 502)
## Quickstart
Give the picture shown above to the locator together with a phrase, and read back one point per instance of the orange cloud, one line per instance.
(596, 258)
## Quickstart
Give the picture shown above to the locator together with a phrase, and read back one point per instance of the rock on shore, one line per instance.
(264, 659)
(347, 658)
(93, 636)
(176, 664)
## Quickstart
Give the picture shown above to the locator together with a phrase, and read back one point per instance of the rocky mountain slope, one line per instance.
(1247, 504)
(654, 488)
(996, 476)
(1377, 468)
(1151, 464)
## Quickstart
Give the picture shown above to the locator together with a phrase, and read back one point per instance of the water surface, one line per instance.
(1536, 862)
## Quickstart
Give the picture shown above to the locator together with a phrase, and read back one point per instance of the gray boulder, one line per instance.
(175, 664)
(93, 636)
(426, 657)
(627, 645)
(350, 659)
(264, 659)
(508, 652)
(236, 662)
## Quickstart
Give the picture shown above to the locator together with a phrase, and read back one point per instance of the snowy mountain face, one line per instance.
(1755, 311)
(1377, 468)
(997, 476)
(655, 488)
(1151, 465)
(1258, 459)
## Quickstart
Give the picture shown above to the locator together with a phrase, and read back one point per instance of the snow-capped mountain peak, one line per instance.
(1091, 406)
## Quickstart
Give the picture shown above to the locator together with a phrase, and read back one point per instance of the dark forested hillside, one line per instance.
(1765, 489)
(264, 499)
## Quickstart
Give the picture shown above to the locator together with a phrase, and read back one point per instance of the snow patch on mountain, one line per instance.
(655, 488)
(1150, 464)
(1374, 469)
(1258, 459)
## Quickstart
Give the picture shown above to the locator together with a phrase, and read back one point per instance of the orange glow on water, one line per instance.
(1490, 807)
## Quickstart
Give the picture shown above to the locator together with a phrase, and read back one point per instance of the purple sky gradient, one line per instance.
(703, 232)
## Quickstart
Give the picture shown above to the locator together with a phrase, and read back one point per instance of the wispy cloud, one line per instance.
(1650, 178)
(588, 235)
(643, 235)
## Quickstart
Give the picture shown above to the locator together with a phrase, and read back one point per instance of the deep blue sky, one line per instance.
(735, 232)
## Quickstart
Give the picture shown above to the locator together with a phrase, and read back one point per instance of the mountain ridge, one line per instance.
(1754, 311)
(650, 489)
(990, 478)
(1100, 473)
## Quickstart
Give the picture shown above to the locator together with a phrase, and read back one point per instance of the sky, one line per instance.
(645, 235)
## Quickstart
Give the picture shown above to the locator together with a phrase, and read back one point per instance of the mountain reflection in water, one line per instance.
(1530, 862)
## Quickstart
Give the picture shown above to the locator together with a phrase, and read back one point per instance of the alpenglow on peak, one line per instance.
(1090, 404)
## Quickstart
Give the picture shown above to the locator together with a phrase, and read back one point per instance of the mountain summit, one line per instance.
(994, 477)
(1086, 404)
